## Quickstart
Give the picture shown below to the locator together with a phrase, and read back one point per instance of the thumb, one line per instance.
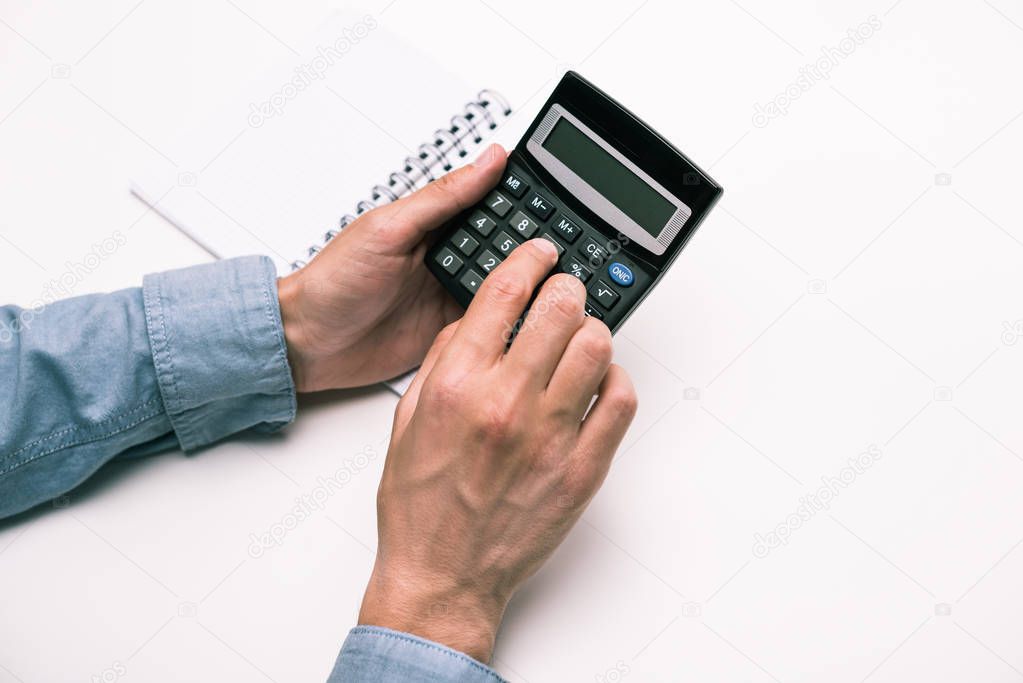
(410, 218)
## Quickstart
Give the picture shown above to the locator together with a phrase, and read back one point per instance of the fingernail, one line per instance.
(487, 156)
(545, 246)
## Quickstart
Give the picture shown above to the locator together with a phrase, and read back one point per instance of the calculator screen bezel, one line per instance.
(638, 144)
(593, 198)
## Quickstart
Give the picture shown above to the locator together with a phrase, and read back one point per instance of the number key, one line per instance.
(498, 203)
(504, 243)
(447, 260)
(487, 261)
(483, 224)
(523, 224)
(465, 242)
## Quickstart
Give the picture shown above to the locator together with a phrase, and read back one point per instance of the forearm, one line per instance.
(189, 358)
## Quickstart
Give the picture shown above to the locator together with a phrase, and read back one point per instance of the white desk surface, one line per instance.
(860, 285)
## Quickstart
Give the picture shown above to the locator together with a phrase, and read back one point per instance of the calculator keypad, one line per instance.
(519, 209)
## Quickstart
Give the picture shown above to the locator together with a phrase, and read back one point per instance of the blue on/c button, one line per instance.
(621, 274)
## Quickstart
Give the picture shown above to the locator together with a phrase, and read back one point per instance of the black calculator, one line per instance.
(617, 199)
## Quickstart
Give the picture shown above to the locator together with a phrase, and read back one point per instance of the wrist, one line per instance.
(288, 293)
(458, 618)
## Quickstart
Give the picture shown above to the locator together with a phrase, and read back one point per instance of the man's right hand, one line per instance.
(494, 455)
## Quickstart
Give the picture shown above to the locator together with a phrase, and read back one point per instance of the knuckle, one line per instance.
(567, 308)
(562, 299)
(504, 286)
(444, 391)
(567, 285)
(594, 342)
(622, 399)
(497, 421)
(446, 333)
(446, 188)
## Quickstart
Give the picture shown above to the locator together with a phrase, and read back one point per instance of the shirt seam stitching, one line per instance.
(282, 353)
(87, 440)
(68, 430)
(162, 359)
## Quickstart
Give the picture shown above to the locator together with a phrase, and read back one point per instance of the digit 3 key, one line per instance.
(617, 199)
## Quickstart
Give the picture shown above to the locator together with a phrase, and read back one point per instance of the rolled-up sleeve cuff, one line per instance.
(371, 653)
(218, 345)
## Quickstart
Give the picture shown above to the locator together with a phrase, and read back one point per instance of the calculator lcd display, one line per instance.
(610, 177)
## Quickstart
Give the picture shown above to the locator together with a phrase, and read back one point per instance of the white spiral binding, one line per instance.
(465, 131)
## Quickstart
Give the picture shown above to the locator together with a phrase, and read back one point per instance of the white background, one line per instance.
(859, 285)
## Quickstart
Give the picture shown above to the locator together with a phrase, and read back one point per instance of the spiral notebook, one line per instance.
(294, 155)
(449, 147)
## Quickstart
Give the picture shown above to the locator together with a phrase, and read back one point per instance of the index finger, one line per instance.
(489, 321)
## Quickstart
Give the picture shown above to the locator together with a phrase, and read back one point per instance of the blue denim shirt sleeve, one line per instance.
(371, 653)
(193, 356)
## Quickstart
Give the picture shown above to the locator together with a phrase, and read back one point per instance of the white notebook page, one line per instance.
(273, 179)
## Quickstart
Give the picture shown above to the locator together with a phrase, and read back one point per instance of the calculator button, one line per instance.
(464, 242)
(594, 252)
(539, 206)
(504, 243)
(482, 223)
(514, 185)
(471, 281)
(498, 203)
(488, 261)
(592, 311)
(604, 295)
(524, 225)
(447, 260)
(550, 238)
(573, 267)
(566, 228)
(621, 274)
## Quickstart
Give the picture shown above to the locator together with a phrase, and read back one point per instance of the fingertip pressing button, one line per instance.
(545, 247)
